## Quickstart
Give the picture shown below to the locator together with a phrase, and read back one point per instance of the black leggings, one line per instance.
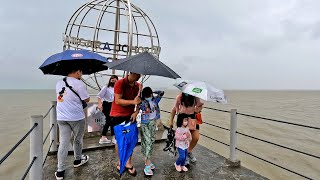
(106, 107)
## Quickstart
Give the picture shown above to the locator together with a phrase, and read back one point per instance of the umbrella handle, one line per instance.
(140, 90)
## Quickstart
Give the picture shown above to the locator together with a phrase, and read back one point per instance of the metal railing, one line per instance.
(35, 166)
(233, 137)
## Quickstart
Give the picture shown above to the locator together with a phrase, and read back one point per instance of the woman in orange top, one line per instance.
(186, 106)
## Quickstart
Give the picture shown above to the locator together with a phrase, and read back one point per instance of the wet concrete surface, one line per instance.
(102, 166)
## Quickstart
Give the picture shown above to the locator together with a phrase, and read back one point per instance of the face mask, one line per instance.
(149, 98)
(111, 84)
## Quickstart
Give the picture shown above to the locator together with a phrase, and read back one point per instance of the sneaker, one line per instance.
(104, 141)
(185, 169)
(178, 168)
(84, 159)
(59, 175)
(192, 158)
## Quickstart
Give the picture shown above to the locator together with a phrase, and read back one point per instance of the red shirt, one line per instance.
(128, 93)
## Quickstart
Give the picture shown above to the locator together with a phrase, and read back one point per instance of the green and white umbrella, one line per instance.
(201, 90)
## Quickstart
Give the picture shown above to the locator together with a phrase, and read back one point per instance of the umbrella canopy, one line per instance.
(62, 63)
(127, 138)
(201, 90)
(143, 63)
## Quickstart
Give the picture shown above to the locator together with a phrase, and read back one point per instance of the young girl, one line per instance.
(183, 138)
(150, 113)
(107, 96)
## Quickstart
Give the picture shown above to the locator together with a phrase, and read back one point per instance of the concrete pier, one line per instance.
(101, 166)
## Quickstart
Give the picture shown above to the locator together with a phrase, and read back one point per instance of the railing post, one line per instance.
(36, 147)
(233, 161)
(53, 121)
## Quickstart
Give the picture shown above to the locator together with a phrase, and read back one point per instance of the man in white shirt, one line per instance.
(71, 118)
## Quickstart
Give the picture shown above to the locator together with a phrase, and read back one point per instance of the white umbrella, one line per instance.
(201, 90)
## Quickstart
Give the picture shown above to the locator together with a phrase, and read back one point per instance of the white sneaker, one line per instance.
(104, 141)
(59, 175)
(84, 159)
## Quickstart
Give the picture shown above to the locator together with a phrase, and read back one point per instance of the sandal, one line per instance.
(148, 171)
(131, 168)
(152, 166)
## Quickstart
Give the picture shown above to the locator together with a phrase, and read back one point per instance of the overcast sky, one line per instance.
(245, 44)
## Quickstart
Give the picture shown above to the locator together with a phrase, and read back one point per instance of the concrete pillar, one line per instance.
(36, 147)
(233, 161)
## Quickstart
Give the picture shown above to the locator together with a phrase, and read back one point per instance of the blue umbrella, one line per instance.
(62, 63)
(127, 138)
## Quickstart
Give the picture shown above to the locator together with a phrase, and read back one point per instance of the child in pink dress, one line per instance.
(183, 138)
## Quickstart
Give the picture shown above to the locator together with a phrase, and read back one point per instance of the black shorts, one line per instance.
(183, 115)
(118, 120)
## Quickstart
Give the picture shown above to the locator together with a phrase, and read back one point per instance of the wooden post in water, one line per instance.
(233, 161)
(36, 147)
(54, 131)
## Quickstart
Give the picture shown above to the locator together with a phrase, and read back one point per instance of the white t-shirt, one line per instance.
(153, 112)
(106, 94)
(69, 106)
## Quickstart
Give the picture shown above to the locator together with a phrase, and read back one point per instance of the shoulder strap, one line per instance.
(70, 87)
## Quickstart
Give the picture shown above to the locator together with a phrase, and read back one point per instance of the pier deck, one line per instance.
(101, 165)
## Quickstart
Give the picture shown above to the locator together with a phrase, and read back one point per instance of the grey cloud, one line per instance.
(232, 44)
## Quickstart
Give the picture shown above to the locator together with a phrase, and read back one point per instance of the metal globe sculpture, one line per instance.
(113, 28)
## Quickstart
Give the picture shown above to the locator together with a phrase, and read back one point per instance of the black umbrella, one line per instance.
(143, 63)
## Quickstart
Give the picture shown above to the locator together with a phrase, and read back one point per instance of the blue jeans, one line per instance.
(182, 157)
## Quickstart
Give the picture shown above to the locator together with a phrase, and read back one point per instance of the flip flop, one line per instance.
(131, 168)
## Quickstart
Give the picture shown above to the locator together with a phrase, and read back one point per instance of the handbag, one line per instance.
(199, 118)
(84, 104)
(192, 124)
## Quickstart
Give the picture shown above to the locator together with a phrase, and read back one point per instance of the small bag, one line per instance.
(84, 104)
(192, 123)
(199, 118)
